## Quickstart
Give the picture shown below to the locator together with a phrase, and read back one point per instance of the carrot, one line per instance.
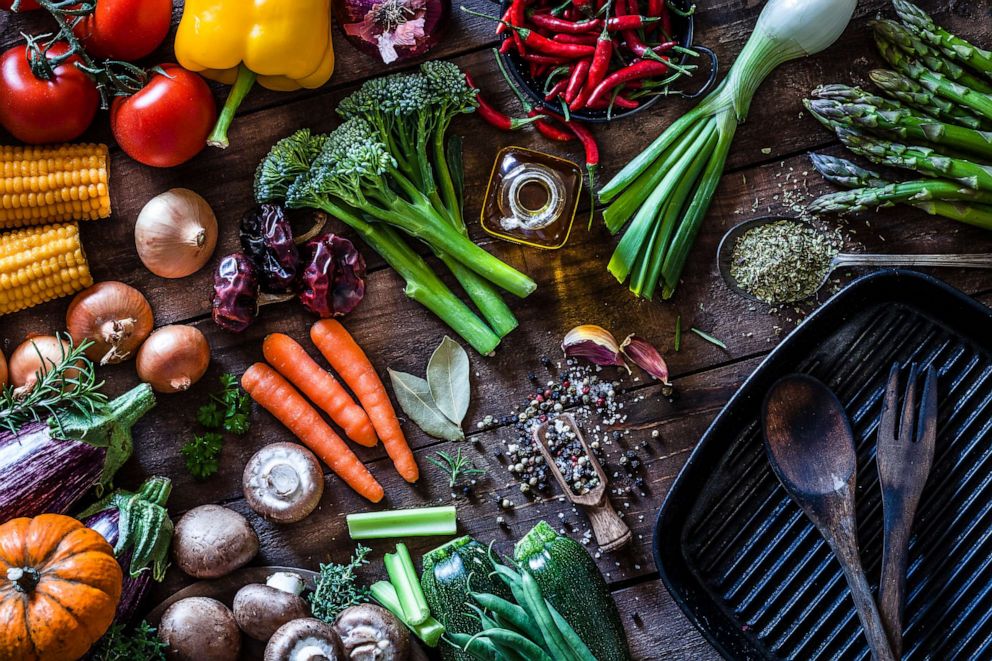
(349, 361)
(293, 362)
(278, 397)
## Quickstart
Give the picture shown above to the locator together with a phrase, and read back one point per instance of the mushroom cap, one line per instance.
(371, 633)
(283, 482)
(200, 628)
(306, 639)
(211, 541)
(261, 609)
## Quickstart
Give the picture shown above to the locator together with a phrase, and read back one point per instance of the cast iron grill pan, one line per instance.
(748, 567)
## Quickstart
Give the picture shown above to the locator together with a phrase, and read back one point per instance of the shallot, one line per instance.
(395, 30)
(115, 316)
(173, 358)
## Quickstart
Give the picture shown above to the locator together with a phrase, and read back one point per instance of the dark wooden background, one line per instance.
(768, 173)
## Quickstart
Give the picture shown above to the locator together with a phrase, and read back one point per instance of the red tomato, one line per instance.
(168, 121)
(42, 111)
(26, 5)
(125, 29)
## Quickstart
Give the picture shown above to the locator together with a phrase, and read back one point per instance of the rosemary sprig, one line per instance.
(69, 385)
(455, 466)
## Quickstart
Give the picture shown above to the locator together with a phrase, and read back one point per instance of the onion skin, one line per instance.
(351, 14)
(3, 370)
(25, 363)
(115, 316)
(173, 358)
(176, 233)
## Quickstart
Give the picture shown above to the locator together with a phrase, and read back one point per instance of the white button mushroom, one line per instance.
(371, 633)
(200, 628)
(261, 609)
(212, 541)
(307, 639)
(283, 482)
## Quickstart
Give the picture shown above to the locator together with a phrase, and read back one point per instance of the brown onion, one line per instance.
(3, 370)
(34, 355)
(173, 358)
(175, 233)
(115, 316)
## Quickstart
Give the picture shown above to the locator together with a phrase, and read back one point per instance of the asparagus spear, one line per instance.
(901, 123)
(921, 159)
(912, 94)
(903, 38)
(872, 191)
(935, 82)
(951, 45)
(848, 94)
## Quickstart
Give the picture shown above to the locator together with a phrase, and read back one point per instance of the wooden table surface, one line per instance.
(768, 173)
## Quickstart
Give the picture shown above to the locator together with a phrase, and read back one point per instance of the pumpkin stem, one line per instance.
(25, 579)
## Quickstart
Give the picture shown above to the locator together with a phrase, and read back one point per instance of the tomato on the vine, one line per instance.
(125, 29)
(167, 122)
(41, 111)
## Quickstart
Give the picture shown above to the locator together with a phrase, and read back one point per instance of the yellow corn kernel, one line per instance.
(38, 264)
(41, 185)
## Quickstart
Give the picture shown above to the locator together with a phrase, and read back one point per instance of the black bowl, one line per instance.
(681, 25)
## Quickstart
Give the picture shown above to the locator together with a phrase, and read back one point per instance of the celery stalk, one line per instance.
(403, 576)
(429, 631)
(419, 522)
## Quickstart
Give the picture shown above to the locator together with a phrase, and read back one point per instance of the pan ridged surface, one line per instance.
(751, 570)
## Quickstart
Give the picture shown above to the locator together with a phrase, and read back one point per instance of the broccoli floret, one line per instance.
(288, 159)
(448, 86)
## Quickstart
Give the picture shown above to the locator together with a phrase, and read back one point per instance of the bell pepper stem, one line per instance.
(242, 85)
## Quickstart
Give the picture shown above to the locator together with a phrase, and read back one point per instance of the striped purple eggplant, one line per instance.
(137, 525)
(50, 466)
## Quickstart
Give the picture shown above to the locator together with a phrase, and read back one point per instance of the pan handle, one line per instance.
(710, 80)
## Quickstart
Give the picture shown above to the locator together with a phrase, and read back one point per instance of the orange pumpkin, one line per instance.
(59, 588)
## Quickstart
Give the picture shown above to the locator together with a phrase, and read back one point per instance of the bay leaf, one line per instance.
(448, 377)
(414, 397)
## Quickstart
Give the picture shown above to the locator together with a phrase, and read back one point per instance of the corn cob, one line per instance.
(41, 185)
(38, 264)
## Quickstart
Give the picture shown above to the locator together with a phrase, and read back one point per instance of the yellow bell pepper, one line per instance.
(283, 44)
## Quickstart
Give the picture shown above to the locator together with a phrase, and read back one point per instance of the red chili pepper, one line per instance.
(507, 18)
(541, 69)
(558, 89)
(655, 7)
(629, 22)
(572, 14)
(586, 39)
(642, 50)
(538, 58)
(549, 22)
(579, 77)
(549, 130)
(636, 71)
(549, 47)
(495, 117)
(619, 101)
(597, 71)
(506, 46)
(587, 139)
(666, 20)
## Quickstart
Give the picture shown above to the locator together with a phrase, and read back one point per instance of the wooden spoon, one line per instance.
(610, 530)
(811, 449)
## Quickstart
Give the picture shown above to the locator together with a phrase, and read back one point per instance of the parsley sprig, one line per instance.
(229, 410)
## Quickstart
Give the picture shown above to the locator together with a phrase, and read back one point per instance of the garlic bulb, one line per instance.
(175, 233)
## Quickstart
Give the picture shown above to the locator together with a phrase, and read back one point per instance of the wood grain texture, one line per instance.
(768, 173)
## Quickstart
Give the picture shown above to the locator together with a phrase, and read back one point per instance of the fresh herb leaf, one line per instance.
(119, 644)
(455, 466)
(338, 587)
(678, 333)
(210, 416)
(709, 338)
(202, 455)
(67, 387)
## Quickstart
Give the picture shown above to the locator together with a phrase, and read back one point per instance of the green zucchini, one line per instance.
(451, 573)
(570, 580)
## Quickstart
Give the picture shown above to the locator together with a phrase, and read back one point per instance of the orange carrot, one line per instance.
(293, 362)
(349, 361)
(278, 397)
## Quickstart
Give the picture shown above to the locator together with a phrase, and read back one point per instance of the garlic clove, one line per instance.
(595, 344)
(643, 354)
